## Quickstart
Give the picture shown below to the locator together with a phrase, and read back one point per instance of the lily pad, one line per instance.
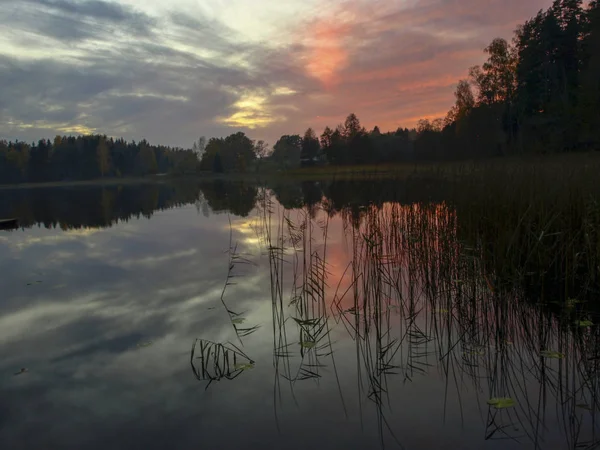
(242, 366)
(501, 402)
(584, 323)
(551, 354)
(308, 344)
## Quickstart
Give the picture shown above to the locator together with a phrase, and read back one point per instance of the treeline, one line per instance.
(349, 143)
(88, 157)
(538, 94)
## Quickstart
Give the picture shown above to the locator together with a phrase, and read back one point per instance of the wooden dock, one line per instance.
(9, 224)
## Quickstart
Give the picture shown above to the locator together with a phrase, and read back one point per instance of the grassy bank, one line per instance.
(499, 166)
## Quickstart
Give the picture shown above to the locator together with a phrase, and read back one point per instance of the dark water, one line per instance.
(231, 316)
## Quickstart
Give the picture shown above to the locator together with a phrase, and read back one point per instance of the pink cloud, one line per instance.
(393, 64)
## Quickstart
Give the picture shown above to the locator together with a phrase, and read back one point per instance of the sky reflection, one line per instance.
(78, 308)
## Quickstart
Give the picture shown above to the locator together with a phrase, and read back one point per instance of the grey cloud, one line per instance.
(115, 96)
(167, 94)
(194, 30)
(93, 8)
(69, 20)
(148, 90)
(35, 89)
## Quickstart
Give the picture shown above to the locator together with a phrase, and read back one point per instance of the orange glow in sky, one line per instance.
(327, 53)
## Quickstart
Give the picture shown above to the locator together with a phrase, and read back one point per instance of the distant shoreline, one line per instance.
(316, 173)
(95, 182)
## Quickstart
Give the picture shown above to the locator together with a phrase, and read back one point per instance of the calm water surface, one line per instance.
(150, 318)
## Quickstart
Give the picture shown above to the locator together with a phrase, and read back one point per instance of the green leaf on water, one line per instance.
(552, 354)
(477, 351)
(571, 302)
(442, 311)
(501, 402)
(242, 366)
(145, 344)
(308, 344)
(584, 323)
(584, 406)
(306, 322)
(238, 321)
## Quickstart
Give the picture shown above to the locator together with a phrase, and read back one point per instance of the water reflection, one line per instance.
(331, 313)
(105, 206)
(418, 304)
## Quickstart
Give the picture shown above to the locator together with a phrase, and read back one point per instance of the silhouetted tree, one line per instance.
(236, 152)
(287, 150)
(310, 146)
(217, 165)
(103, 157)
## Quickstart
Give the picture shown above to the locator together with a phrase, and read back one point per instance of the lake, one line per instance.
(334, 315)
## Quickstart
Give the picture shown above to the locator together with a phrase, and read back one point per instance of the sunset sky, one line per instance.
(170, 71)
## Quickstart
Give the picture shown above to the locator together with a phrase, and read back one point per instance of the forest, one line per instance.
(537, 94)
(70, 158)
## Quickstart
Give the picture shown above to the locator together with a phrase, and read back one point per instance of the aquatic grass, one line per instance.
(212, 361)
(485, 330)
(535, 223)
(236, 318)
(492, 288)
(290, 244)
